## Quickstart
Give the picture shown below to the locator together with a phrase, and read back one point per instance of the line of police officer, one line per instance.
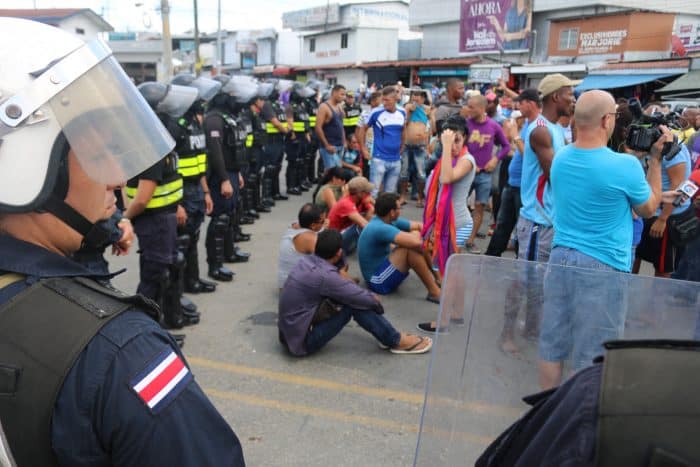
(231, 135)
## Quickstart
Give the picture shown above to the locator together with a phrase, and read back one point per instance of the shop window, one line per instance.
(344, 40)
(568, 39)
(312, 45)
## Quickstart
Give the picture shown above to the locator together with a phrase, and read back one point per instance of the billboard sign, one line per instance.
(689, 35)
(494, 26)
(311, 17)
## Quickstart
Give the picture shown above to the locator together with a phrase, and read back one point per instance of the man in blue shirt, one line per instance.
(594, 190)
(385, 268)
(387, 123)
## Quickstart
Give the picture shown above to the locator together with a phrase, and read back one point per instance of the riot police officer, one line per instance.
(190, 145)
(276, 128)
(226, 145)
(353, 110)
(155, 210)
(314, 89)
(255, 143)
(78, 359)
(297, 140)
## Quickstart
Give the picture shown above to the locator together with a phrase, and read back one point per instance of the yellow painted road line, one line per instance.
(402, 396)
(339, 416)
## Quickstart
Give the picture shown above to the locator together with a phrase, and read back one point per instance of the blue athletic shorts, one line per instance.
(386, 278)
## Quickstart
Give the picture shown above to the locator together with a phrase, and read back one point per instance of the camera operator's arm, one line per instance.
(676, 175)
(648, 208)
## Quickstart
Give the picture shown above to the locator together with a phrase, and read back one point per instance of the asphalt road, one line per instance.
(350, 404)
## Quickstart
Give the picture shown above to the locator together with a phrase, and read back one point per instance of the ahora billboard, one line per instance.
(494, 26)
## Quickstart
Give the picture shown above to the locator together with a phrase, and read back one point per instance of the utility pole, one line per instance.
(167, 41)
(219, 58)
(197, 63)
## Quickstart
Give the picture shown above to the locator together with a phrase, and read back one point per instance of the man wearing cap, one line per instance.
(352, 212)
(352, 110)
(484, 135)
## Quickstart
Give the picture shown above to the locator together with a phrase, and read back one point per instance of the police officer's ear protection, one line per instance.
(93, 234)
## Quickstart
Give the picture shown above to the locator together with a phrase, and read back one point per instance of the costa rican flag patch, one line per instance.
(161, 381)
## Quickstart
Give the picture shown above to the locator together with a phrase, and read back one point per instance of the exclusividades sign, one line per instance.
(495, 26)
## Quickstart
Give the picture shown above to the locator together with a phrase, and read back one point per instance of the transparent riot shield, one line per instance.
(6, 459)
(503, 317)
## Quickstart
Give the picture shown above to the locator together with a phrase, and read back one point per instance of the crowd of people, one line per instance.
(154, 162)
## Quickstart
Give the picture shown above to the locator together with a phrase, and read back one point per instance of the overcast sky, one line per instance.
(123, 15)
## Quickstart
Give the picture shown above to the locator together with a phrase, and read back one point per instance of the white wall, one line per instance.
(364, 45)
(288, 48)
(375, 45)
(264, 55)
(79, 21)
(351, 78)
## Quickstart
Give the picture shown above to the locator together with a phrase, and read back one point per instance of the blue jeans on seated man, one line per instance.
(331, 160)
(385, 175)
(582, 309)
(376, 324)
(350, 237)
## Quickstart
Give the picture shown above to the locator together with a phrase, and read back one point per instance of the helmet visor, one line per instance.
(111, 129)
(177, 100)
(207, 88)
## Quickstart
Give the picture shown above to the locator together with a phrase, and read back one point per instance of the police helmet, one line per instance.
(265, 90)
(171, 99)
(59, 94)
(207, 88)
(245, 88)
(284, 85)
(317, 85)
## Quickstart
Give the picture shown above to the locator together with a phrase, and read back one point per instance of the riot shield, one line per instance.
(503, 317)
(6, 459)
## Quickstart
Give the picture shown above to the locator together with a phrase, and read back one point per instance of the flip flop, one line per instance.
(429, 328)
(414, 348)
(433, 299)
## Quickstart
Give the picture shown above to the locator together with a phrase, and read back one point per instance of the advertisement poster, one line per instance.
(689, 34)
(495, 26)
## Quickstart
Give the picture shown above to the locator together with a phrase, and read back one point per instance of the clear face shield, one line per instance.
(245, 91)
(265, 89)
(177, 100)
(208, 88)
(109, 125)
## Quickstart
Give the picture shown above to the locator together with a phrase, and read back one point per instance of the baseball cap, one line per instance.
(529, 94)
(554, 82)
(359, 184)
(350, 93)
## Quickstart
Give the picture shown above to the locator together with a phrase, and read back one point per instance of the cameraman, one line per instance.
(594, 191)
(657, 245)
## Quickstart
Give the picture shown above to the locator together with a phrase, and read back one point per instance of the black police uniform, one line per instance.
(351, 119)
(156, 229)
(258, 160)
(92, 256)
(250, 200)
(190, 145)
(273, 149)
(102, 412)
(310, 156)
(226, 151)
(295, 147)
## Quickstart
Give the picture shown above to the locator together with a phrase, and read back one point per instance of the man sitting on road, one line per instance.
(316, 303)
(352, 212)
(299, 239)
(385, 268)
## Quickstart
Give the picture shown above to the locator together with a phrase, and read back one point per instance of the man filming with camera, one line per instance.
(594, 190)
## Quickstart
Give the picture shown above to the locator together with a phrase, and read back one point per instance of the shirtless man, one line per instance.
(419, 123)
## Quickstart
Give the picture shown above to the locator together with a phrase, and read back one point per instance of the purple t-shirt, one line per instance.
(482, 137)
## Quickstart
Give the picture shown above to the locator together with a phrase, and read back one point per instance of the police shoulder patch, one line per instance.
(161, 381)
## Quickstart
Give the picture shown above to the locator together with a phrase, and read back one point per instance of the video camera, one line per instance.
(644, 130)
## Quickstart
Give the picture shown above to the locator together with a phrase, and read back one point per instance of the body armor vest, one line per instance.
(301, 118)
(168, 192)
(258, 129)
(234, 140)
(279, 113)
(352, 115)
(311, 109)
(35, 359)
(191, 149)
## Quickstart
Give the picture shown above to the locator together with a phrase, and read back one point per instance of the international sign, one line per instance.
(494, 26)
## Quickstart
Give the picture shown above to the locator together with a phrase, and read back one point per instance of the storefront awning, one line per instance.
(443, 72)
(616, 81)
(688, 82)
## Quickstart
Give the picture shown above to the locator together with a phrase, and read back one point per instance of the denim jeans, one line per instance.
(582, 309)
(506, 220)
(386, 174)
(377, 325)
(331, 160)
(350, 237)
(413, 162)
